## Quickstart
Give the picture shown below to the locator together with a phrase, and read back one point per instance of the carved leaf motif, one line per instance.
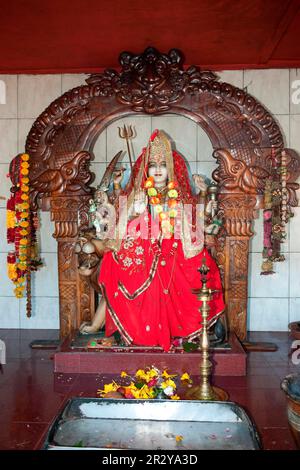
(237, 312)
(238, 213)
(66, 316)
(85, 300)
(292, 195)
(235, 175)
(47, 182)
(84, 214)
(73, 176)
(67, 261)
(238, 259)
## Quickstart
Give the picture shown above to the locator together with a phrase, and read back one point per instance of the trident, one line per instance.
(127, 133)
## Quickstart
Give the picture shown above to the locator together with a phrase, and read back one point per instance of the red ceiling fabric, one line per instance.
(59, 36)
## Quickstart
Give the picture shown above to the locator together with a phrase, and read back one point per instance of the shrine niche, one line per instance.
(248, 147)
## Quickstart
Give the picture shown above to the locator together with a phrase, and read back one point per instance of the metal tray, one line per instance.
(91, 423)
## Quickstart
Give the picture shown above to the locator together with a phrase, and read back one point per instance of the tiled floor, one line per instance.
(31, 396)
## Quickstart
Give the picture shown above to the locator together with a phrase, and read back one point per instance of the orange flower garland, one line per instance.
(167, 218)
(19, 226)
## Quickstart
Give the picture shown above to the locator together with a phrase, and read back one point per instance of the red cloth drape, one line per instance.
(134, 280)
(154, 317)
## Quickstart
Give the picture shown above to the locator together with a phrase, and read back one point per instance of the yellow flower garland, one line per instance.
(20, 218)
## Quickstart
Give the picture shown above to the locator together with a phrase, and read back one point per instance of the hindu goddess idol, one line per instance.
(150, 267)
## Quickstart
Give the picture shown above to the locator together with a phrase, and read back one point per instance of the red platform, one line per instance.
(227, 362)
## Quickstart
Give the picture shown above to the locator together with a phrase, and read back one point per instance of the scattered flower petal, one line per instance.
(166, 375)
(147, 384)
(185, 376)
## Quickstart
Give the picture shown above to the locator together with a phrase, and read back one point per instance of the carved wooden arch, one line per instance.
(244, 135)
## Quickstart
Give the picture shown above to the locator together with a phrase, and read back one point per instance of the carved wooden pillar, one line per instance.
(76, 299)
(239, 213)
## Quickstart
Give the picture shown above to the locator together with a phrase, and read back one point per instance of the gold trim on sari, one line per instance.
(144, 286)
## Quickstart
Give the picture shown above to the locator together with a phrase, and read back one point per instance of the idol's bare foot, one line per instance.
(87, 328)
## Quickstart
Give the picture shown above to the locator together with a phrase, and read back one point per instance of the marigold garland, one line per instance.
(167, 218)
(21, 228)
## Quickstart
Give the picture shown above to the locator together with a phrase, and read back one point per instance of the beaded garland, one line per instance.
(275, 212)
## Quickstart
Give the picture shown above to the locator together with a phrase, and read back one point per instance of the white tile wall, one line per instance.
(234, 77)
(6, 286)
(268, 314)
(294, 131)
(283, 121)
(24, 126)
(36, 92)
(48, 244)
(295, 275)
(295, 91)
(9, 312)
(9, 108)
(72, 80)
(294, 309)
(204, 146)
(8, 142)
(193, 167)
(4, 246)
(206, 168)
(273, 301)
(295, 231)
(5, 184)
(271, 87)
(44, 314)
(275, 285)
(45, 281)
(99, 149)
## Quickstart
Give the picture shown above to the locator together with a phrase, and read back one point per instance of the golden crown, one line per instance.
(159, 147)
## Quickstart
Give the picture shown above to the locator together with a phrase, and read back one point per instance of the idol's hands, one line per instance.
(211, 207)
(140, 201)
(118, 175)
(210, 241)
(200, 183)
(212, 229)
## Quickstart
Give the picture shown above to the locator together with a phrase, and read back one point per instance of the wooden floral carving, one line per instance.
(150, 82)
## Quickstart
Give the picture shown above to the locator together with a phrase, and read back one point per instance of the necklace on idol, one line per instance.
(156, 249)
(166, 290)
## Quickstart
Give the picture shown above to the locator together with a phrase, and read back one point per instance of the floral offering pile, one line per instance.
(145, 384)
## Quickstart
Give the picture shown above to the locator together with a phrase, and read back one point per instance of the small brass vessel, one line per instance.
(291, 387)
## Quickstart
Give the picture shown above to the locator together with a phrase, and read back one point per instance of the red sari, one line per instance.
(148, 286)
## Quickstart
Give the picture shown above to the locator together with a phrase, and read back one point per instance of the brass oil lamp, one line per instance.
(205, 391)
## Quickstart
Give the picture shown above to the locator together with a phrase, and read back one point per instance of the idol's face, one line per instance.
(159, 172)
